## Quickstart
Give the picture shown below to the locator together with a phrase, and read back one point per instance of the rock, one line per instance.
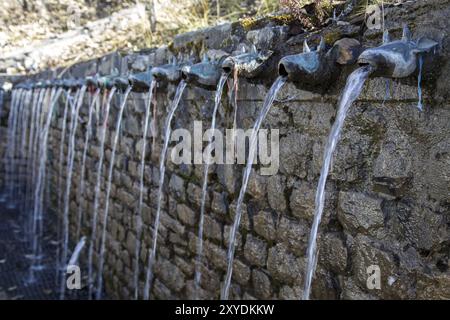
(219, 203)
(227, 177)
(257, 185)
(261, 284)
(161, 291)
(216, 255)
(360, 213)
(295, 150)
(176, 186)
(393, 166)
(275, 192)
(265, 225)
(347, 50)
(226, 238)
(422, 228)
(434, 286)
(170, 275)
(282, 264)
(293, 234)
(255, 251)
(186, 215)
(241, 272)
(291, 293)
(212, 228)
(351, 291)
(131, 242)
(333, 253)
(302, 201)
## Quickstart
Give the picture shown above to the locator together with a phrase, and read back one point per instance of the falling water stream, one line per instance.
(353, 87)
(276, 86)
(162, 169)
(76, 252)
(60, 180)
(40, 186)
(32, 162)
(97, 191)
(70, 160)
(141, 191)
(419, 84)
(108, 192)
(218, 96)
(21, 156)
(28, 184)
(87, 137)
(9, 155)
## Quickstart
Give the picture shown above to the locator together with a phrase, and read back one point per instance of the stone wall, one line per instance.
(387, 197)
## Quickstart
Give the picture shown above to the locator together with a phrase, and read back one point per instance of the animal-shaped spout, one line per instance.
(314, 68)
(106, 82)
(141, 81)
(92, 81)
(205, 74)
(121, 83)
(170, 72)
(248, 65)
(399, 58)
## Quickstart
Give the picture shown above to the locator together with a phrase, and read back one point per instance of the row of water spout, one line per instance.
(33, 105)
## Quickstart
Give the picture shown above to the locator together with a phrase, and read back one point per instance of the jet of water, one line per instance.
(141, 191)
(40, 185)
(218, 96)
(419, 84)
(83, 161)
(162, 169)
(60, 180)
(352, 90)
(97, 192)
(108, 192)
(76, 252)
(70, 160)
(276, 86)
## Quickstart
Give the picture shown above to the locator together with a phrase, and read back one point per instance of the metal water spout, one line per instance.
(170, 72)
(140, 82)
(106, 82)
(205, 74)
(248, 65)
(92, 81)
(58, 83)
(319, 67)
(399, 58)
(121, 83)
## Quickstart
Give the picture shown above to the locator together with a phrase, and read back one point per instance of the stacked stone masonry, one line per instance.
(387, 197)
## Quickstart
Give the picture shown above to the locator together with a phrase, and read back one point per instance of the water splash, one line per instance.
(270, 97)
(97, 192)
(108, 193)
(353, 87)
(141, 191)
(162, 169)
(70, 160)
(419, 84)
(218, 96)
